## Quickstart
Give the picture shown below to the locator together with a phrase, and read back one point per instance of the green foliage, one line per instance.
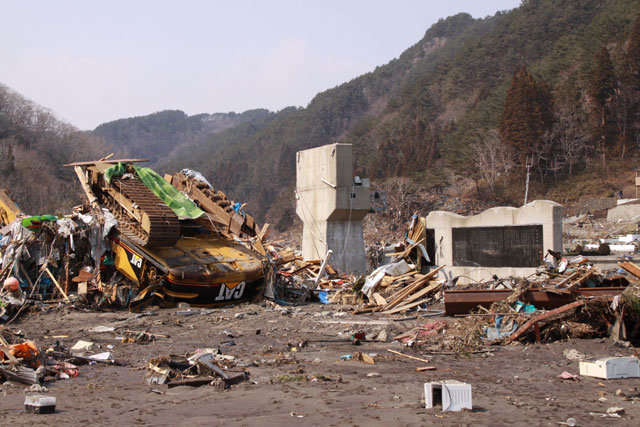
(527, 115)
(602, 89)
(603, 80)
(160, 135)
(633, 55)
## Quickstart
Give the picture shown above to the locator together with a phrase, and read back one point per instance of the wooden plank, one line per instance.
(6, 351)
(111, 162)
(398, 292)
(236, 223)
(408, 357)
(264, 232)
(404, 307)
(22, 375)
(412, 288)
(84, 183)
(432, 287)
(367, 309)
(579, 282)
(539, 318)
(379, 299)
(405, 252)
(631, 268)
(566, 280)
(55, 282)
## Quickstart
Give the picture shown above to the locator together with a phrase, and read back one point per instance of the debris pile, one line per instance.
(400, 292)
(299, 280)
(203, 367)
(47, 258)
(23, 362)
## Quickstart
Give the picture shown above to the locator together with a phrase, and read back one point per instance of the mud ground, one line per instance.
(514, 385)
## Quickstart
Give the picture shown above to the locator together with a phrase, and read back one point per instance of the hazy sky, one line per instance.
(97, 61)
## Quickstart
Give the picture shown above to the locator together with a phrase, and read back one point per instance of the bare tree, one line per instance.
(491, 157)
(401, 195)
(570, 135)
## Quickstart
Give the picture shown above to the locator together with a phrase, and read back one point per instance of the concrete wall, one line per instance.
(624, 213)
(539, 212)
(331, 206)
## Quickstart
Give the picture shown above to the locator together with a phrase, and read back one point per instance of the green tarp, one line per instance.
(178, 202)
(118, 169)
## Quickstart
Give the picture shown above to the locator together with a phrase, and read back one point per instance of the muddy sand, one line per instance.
(514, 385)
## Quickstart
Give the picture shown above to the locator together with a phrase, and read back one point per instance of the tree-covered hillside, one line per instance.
(33, 147)
(162, 135)
(437, 113)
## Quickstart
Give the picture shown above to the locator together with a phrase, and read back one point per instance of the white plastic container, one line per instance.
(39, 404)
(451, 394)
(610, 368)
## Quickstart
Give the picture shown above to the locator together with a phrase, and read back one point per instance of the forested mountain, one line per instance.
(437, 113)
(161, 135)
(33, 147)
(552, 87)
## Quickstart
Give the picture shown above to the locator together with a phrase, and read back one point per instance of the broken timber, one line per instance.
(631, 268)
(404, 298)
(553, 314)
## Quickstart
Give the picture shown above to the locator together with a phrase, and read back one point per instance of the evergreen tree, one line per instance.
(527, 116)
(629, 99)
(602, 89)
(633, 55)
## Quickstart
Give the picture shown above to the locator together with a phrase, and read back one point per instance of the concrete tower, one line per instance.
(332, 205)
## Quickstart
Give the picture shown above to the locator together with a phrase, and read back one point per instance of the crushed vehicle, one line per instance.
(9, 211)
(178, 248)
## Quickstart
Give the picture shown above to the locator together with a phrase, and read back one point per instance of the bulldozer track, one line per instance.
(164, 229)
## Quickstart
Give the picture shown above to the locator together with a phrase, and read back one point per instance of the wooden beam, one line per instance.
(540, 318)
(264, 232)
(84, 182)
(404, 307)
(408, 357)
(57, 285)
(111, 162)
(412, 288)
(432, 287)
(379, 299)
(567, 279)
(631, 268)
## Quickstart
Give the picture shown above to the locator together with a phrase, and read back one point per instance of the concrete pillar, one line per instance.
(331, 206)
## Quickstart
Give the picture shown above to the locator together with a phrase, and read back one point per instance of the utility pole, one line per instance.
(526, 186)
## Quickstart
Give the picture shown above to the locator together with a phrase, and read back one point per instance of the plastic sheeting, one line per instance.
(180, 204)
(395, 269)
(197, 175)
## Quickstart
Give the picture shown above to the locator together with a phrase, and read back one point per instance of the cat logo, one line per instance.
(136, 261)
(231, 291)
(128, 262)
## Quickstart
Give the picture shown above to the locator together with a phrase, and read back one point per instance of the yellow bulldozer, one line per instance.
(184, 244)
(9, 211)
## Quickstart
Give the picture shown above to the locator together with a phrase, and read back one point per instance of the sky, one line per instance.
(92, 62)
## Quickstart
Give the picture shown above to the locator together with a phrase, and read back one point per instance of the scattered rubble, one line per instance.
(404, 314)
